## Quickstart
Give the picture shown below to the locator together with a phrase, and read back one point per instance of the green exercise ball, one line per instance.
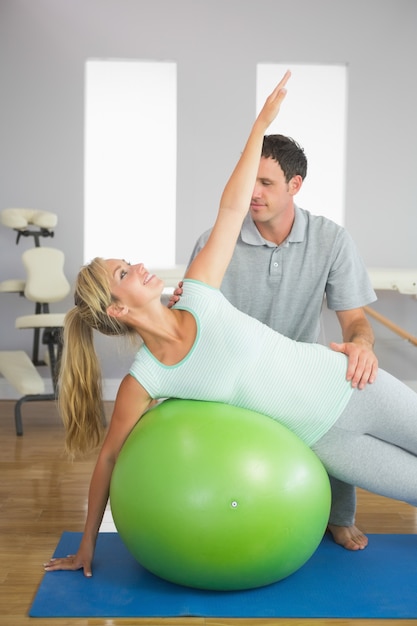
(210, 496)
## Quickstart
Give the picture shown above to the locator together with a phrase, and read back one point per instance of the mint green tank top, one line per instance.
(238, 360)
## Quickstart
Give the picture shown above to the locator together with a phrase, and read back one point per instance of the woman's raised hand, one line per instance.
(272, 104)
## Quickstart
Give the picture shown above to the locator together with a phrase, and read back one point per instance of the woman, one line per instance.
(204, 348)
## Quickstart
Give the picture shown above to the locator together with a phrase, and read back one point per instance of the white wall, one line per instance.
(216, 43)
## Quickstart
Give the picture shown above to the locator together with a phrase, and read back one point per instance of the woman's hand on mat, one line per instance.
(71, 562)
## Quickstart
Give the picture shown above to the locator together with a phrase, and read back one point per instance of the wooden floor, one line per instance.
(42, 494)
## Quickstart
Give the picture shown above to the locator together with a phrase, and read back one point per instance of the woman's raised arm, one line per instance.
(211, 263)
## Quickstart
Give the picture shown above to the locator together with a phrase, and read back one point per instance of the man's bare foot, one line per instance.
(350, 537)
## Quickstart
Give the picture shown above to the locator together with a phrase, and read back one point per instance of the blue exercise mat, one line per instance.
(379, 582)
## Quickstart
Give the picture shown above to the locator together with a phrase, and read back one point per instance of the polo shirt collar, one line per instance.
(251, 235)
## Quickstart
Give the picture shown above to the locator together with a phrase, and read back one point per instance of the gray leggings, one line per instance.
(373, 444)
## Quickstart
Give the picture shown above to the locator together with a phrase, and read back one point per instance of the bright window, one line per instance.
(130, 161)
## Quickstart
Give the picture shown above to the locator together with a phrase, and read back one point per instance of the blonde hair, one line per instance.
(80, 398)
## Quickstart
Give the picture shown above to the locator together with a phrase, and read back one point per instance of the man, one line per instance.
(285, 262)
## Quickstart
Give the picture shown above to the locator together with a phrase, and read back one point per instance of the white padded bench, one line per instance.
(402, 280)
(19, 371)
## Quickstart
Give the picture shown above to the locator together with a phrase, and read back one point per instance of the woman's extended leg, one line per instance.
(373, 444)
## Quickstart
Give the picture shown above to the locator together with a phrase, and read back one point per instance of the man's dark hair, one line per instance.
(288, 153)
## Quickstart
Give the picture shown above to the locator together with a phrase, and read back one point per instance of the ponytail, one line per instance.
(80, 393)
(80, 398)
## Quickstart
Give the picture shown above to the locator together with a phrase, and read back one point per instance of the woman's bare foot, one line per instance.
(350, 537)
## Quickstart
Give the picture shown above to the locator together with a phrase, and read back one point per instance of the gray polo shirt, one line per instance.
(284, 286)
